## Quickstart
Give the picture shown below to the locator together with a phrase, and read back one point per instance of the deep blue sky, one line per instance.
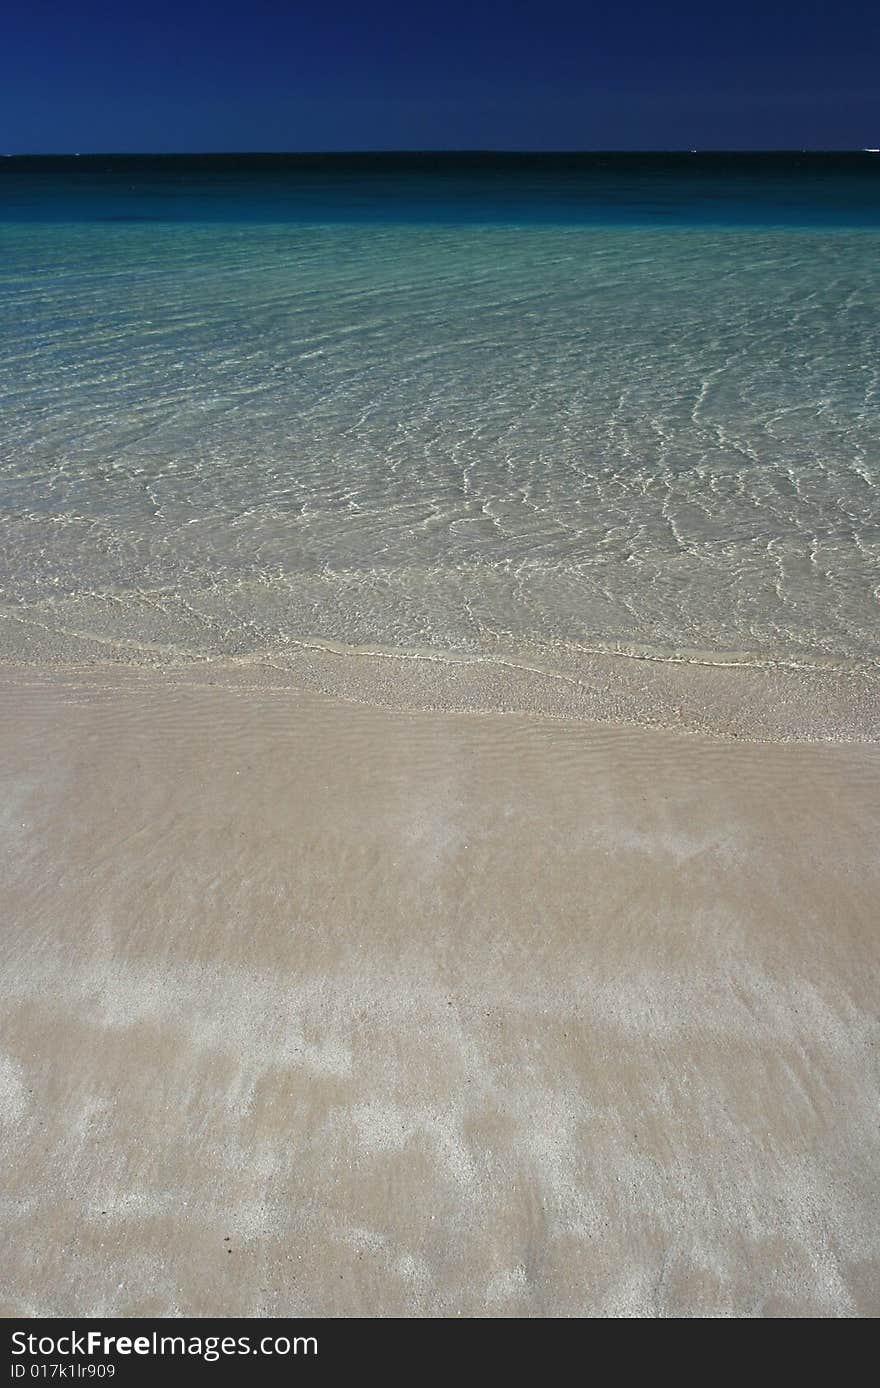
(88, 75)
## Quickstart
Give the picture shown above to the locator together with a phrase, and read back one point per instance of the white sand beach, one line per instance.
(315, 1008)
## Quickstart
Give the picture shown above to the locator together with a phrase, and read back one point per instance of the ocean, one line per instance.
(574, 418)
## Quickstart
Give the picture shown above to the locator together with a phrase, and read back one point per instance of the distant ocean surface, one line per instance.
(513, 409)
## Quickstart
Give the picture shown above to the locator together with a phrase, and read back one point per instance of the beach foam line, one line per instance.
(746, 694)
(26, 615)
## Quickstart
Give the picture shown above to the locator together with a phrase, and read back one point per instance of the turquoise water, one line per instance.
(611, 416)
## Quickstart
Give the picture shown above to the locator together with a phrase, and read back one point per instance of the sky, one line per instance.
(177, 75)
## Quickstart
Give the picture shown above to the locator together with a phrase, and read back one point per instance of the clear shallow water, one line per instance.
(464, 437)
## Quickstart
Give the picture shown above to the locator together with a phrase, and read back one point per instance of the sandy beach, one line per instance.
(316, 1008)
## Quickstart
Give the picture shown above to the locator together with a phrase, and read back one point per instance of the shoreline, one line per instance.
(423, 1013)
(718, 698)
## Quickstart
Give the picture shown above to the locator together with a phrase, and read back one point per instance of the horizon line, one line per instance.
(464, 150)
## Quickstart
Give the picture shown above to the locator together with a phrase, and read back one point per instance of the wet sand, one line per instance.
(316, 1008)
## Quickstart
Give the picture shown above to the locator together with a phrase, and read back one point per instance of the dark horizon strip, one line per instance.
(476, 155)
(768, 188)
